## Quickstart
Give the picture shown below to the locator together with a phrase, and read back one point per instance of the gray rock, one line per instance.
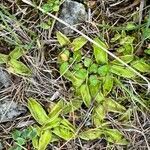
(73, 13)
(5, 80)
(9, 110)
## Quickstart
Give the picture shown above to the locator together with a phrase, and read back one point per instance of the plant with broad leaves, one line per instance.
(52, 126)
(81, 70)
(14, 64)
(51, 6)
(93, 78)
(22, 137)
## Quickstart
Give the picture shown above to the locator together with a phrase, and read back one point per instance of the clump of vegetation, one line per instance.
(13, 64)
(100, 98)
(51, 6)
(22, 137)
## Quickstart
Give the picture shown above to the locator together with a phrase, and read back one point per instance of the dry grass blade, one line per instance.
(90, 40)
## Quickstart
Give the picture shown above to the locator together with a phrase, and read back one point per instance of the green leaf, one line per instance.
(130, 26)
(62, 39)
(21, 141)
(51, 6)
(45, 25)
(107, 84)
(66, 124)
(45, 139)
(114, 136)
(71, 106)
(98, 116)
(127, 43)
(35, 142)
(147, 51)
(103, 70)
(64, 70)
(17, 53)
(93, 68)
(87, 62)
(91, 134)
(94, 85)
(29, 133)
(52, 124)
(129, 49)
(16, 134)
(93, 80)
(115, 38)
(101, 56)
(126, 116)
(3, 58)
(37, 111)
(127, 40)
(63, 133)
(55, 138)
(127, 59)
(77, 66)
(141, 66)
(79, 77)
(146, 33)
(19, 68)
(78, 43)
(112, 106)
(56, 110)
(99, 97)
(84, 90)
(81, 74)
(77, 56)
(122, 71)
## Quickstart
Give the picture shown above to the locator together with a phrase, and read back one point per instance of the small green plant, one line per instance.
(22, 137)
(51, 6)
(94, 77)
(13, 64)
(53, 127)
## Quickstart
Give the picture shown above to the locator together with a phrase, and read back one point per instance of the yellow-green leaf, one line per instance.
(107, 84)
(78, 43)
(141, 66)
(64, 56)
(45, 139)
(98, 115)
(84, 90)
(127, 115)
(17, 53)
(35, 142)
(127, 59)
(67, 125)
(101, 56)
(37, 111)
(71, 106)
(56, 110)
(18, 67)
(3, 58)
(62, 39)
(91, 134)
(52, 124)
(115, 136)
(63, 133)
(94, 87)
(122, 71)
(64, 70)
(112, 106)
